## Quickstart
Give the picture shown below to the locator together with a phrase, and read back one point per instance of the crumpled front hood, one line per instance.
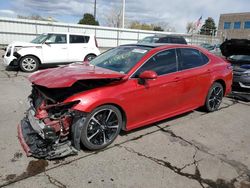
(67, 75)
(235, 47)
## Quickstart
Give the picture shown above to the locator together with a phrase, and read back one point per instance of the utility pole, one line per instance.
(123, 13)
(95, 10)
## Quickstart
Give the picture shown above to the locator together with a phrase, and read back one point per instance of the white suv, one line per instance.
(48, 48)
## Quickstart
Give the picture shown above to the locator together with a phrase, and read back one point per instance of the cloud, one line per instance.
(7, 13)
(177, 13)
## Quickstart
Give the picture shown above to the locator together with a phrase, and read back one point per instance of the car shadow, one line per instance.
(125, 133)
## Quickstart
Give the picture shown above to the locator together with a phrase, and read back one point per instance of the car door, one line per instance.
(78, 45)
(55, 49)
(155, 99)
(195, 76)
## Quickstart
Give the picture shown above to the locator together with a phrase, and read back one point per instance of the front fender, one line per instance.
(35, 51)
(91, 100)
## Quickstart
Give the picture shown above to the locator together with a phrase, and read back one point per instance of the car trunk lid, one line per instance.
(235, 47)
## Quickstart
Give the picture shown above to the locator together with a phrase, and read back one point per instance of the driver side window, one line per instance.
(162, 63)
(57, 39)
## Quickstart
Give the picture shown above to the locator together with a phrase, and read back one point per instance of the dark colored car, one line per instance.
(124, 88)
(172, 39)
(237, 52)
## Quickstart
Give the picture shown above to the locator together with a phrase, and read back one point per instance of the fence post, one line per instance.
(117, 42)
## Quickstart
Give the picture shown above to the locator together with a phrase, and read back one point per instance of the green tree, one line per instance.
(208, 27)
(88, 19)
(158, 28)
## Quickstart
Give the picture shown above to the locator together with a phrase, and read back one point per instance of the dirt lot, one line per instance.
(196, 149)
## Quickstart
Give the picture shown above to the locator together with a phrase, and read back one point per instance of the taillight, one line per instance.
(229, 66)
(96, 43)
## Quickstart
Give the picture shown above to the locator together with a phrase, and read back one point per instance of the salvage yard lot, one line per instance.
(195, 149)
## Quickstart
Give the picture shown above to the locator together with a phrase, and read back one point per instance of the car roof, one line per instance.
(162, 46)
(156, 45)
(53, 32)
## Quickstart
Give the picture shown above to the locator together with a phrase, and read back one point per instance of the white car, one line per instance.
(51, 48)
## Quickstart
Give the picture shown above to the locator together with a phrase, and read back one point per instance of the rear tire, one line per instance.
(29, 64)
(89, 57)
(101, 127)
(214, 97)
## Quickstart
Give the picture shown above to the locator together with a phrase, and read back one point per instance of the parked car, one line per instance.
(237, 52)
(164, 39)
(51, 48)
(124, 88)
(213, 48)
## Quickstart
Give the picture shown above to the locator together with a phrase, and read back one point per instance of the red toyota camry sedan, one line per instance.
(124, 88)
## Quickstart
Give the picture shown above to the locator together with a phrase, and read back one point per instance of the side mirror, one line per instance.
(148, 75)
(47, 42)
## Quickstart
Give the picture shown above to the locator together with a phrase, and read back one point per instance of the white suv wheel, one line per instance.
(29, 64)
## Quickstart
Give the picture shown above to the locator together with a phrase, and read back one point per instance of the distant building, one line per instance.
(234, 25)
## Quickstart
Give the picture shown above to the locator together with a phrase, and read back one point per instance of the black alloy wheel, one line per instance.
(101, 127)
(214, 97)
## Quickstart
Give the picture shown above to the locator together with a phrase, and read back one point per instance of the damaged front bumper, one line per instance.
(34, 145)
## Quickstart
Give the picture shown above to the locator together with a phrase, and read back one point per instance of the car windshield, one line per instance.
(121, 59)
(240, 57)
(40, 39)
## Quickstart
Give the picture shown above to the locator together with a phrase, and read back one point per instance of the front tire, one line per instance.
(101, 127)
(29, 64)
(89, 57)
(214, 97)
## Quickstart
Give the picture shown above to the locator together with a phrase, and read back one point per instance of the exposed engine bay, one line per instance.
(51, 128)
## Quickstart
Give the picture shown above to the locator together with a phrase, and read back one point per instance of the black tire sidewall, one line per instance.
(34, 58)
(207, 106)
(84, 140)
(88, 56)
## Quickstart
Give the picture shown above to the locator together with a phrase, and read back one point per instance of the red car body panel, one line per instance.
(62, 99)
(66, 76)
(166, 96)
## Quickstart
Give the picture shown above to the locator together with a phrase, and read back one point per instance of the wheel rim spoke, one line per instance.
(94, 119)
(104, 137)
(109, 114)
(113, 127)
(93, 135)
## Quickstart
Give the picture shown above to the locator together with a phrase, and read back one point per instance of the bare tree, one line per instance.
(114, 18)
(166, 26)
(190, 27)
(36, 17)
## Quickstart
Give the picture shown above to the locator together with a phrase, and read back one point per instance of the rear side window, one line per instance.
(78, 39)
(190, 58)
(178, 40)
(162, 63)
(163, 40)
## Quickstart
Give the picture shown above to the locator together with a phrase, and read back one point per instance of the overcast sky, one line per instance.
(176, 12)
